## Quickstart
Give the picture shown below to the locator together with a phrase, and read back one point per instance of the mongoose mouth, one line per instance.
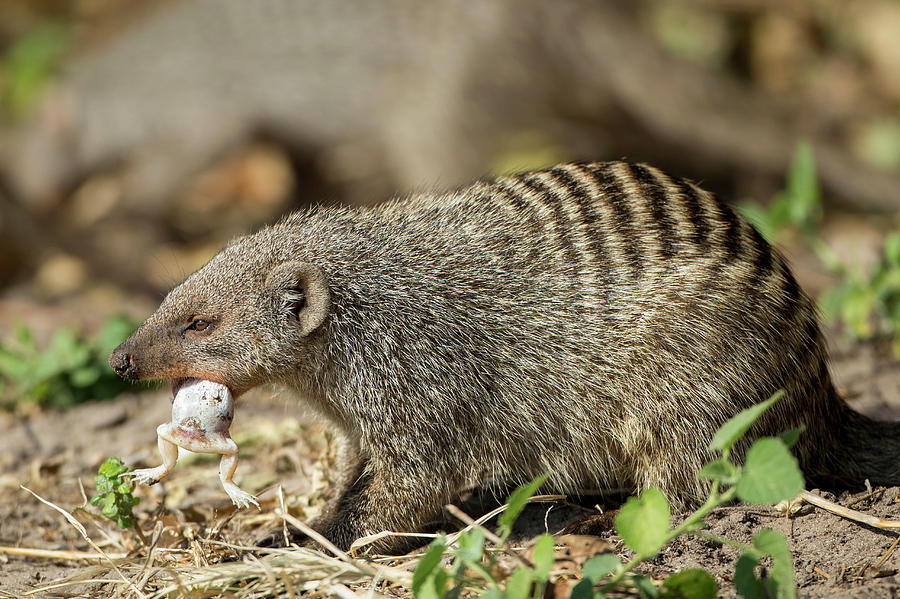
(178, 383)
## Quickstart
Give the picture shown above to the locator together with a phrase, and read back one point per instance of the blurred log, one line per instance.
(405, 93)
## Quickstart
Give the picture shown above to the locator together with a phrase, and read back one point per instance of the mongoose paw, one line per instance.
(594, 525)
(278, 540)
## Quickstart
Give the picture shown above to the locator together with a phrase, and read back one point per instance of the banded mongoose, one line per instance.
(594, 321)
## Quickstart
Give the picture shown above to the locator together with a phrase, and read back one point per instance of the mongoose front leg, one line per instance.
(384, 497)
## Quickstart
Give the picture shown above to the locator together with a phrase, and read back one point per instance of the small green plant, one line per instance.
(71, 369)
(866, 304)
(28, 66)
(768, 475)
(114, 493)
(474, 567)
(797, 207)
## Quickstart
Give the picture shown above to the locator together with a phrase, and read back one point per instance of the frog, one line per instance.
(202, 413)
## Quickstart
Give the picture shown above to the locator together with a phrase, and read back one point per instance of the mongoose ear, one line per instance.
(301, 289)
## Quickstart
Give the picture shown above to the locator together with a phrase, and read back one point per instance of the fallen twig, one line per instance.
(58, 554)
(846, 512)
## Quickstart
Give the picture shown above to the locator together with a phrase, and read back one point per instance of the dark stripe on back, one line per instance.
(591, 221)
(763, 260)
(789, 302)
(693, 203)
(790, 287)
(811, 355)
(813, 334)
(658, 198)
(822, 376)
(732, 231)
(614, 195)
(563, 227)
(526, 211)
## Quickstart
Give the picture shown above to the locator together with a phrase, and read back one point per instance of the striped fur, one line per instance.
(594, 321)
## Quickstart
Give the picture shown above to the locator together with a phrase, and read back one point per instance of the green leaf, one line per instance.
(96, 500)
(771, 542)
(114, 331)
(493, 593)
(125, 522)
(104, 484)
(110, 509)
(470, 555)
(518, 586)
(25, 337)
(803, 188)
(643, 522)
(583, 590)
(746, 582)
(770, 473)
(780, 214)
(64, 344)
(855, 309)
(28, 67)
(645, 586)
(734, 429)
(720, 470)
(759, 218)
(543, 557)
(425, 582)
(112, 468)
(84, 377)
(692, 583)
(790, 437)
(471, 546)
(12, 366)
(71, 369)
(595, 568)
(516, 503)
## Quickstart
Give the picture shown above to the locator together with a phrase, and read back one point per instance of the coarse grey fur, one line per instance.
(594, 321)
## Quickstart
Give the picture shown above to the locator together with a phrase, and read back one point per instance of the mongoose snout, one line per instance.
(594, 321)
(122, 362)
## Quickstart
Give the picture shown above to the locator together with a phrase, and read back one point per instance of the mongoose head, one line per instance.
(244, 319)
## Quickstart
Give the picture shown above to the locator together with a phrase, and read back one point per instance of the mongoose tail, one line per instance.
(865, 449)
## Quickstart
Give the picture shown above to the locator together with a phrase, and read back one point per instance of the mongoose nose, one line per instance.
(122, 362)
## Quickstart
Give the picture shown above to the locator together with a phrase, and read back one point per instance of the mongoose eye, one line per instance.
(198, 324)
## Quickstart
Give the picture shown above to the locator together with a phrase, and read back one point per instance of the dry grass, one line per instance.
(180, 562)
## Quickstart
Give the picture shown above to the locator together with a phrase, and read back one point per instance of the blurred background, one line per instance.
(138, 137)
